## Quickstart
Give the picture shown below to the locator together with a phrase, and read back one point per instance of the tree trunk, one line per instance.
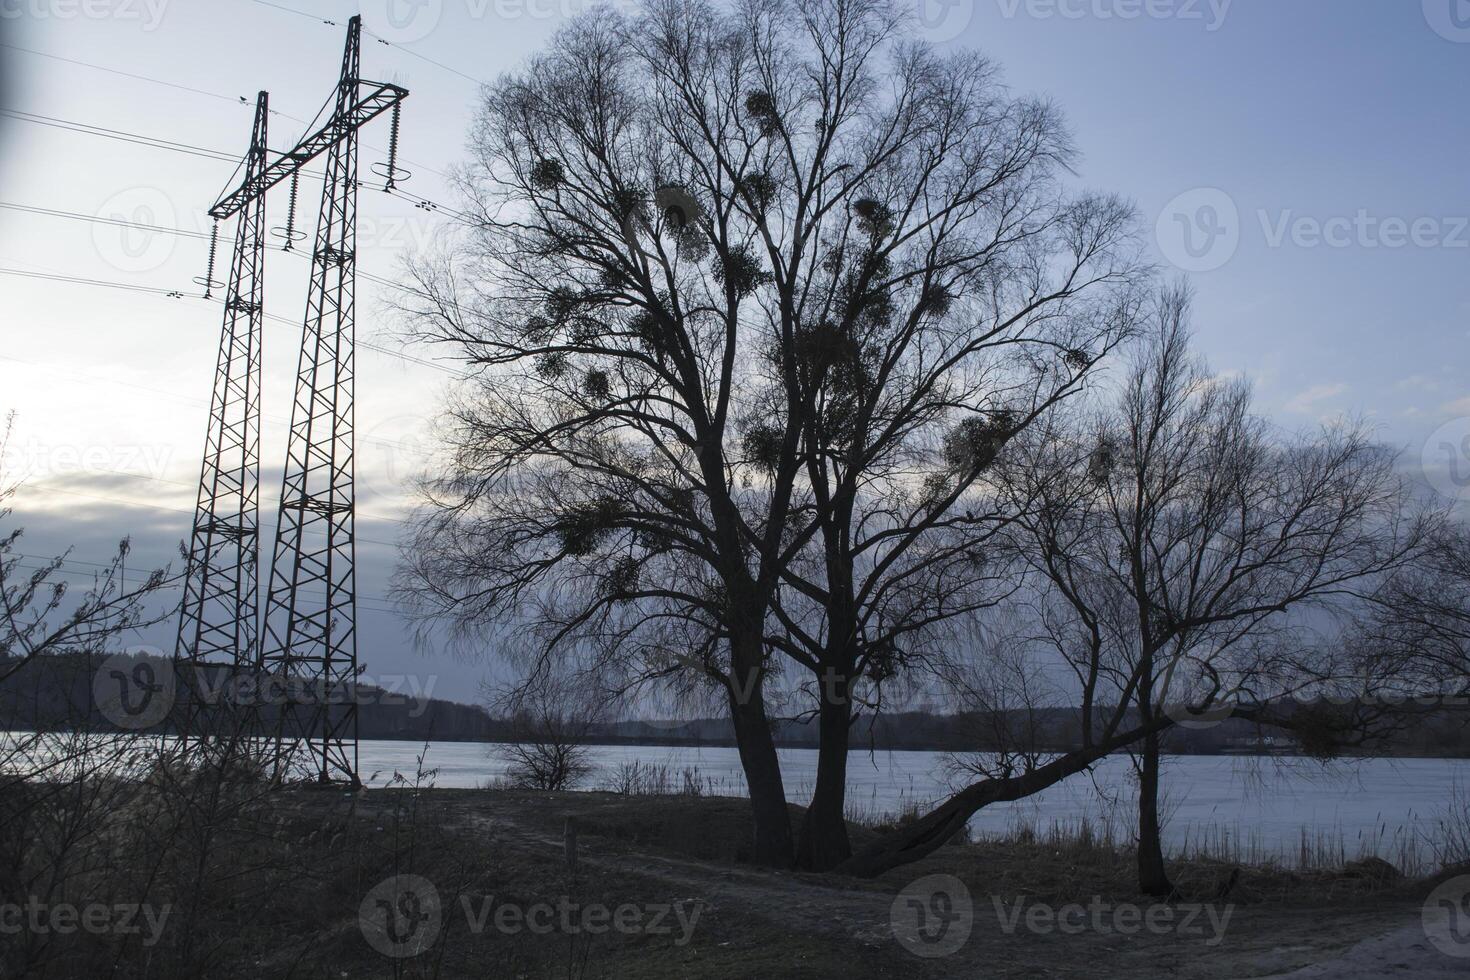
(938, 826)
(824, 843)
(1153, 877)
(758, 758)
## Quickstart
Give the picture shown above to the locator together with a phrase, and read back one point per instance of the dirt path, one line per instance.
(1253, 941)
(791, 900)
(1403, 952)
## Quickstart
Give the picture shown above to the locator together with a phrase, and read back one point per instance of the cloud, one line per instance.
(1307, 402)
(1416, 382)
(1456, 408)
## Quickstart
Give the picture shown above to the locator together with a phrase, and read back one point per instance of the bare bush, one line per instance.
(550, 723)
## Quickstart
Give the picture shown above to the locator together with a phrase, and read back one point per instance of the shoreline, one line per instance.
(689, 743)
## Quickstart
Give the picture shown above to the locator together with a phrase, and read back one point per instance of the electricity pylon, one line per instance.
(310, 642)
(218, 622)
(309, 647)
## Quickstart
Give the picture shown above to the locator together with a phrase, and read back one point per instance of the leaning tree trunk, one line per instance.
(758, 758)
(824, 842)
(1153, 877)
(938, 826)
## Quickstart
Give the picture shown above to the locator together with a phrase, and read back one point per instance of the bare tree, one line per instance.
(740, 280)
(1421, 616)
(1176, 535)
(550, 721)
(899, 464)
(1171, 536)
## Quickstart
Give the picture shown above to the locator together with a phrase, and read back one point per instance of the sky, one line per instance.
(1302, 162)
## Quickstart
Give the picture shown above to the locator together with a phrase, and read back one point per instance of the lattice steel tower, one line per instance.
(218, 622)
(309, 646)
(310, 628)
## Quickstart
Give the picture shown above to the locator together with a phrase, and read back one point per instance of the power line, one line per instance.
(237, 100)
(65, 561)
(232, 99)
(84, 281)
(168, 586)
(139, 139)
(118, 222)
(170, 230)
(87, 129)
(423, 57)
(179, 294)
(383, 41)
(385, 351)
(123, 136)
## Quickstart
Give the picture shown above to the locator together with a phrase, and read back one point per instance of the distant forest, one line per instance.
(57, 692)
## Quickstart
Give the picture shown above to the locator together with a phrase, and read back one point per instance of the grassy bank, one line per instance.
(260, 883)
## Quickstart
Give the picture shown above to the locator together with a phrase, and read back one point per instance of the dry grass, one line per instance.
(1066, 861)
(269, 883)
(638, 778)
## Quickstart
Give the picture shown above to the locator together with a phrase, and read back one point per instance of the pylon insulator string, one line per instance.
(289, 233)
(208, 281)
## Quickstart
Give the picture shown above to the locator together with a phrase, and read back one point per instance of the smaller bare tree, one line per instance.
(1421, 616)
(551, 721)
(1172, 534)
(1177, 534)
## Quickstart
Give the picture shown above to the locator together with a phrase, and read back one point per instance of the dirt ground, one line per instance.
(1034, 912)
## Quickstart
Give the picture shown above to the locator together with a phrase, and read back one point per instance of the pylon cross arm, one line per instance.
(373, 99)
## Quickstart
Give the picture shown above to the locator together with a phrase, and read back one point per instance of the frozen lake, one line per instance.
(1248, 807)
(1265, 803)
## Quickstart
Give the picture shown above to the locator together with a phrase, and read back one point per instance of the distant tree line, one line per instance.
(56, 692)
